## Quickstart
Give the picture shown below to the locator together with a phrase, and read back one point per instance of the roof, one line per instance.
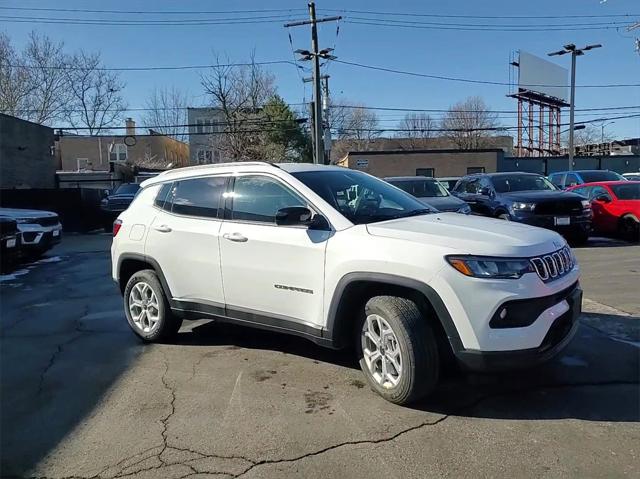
(578, 171)
(605, 183)
(503, 173)
(236, 167)
(408, 178)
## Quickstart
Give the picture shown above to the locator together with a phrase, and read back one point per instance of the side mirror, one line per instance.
(294, 216)
(485, 191)
(603, 199)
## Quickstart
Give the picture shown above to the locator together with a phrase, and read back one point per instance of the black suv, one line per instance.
(527, 198)
(116, 202)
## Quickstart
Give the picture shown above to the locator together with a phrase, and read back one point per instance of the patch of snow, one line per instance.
(53, 259)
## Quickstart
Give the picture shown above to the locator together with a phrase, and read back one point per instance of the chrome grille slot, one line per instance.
(554, 265)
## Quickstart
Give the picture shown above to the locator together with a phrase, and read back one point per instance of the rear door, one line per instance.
(272, 274)
(184, 240)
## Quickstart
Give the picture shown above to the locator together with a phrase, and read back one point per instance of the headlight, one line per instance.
(487, 267)
(586, 204)
(517, 206)
(465, 209)
(24, 220)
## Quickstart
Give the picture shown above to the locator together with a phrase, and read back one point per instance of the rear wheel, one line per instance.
(147, 309)
(629, 228)
(397, 349)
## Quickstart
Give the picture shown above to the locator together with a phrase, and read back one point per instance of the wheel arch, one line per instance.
(131, 263)
(354, 289)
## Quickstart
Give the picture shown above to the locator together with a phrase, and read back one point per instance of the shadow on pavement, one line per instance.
(595, 378)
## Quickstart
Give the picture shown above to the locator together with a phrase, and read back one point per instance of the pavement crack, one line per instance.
(172, 405)
(52, 360)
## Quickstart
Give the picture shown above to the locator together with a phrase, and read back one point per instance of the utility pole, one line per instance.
(316, 55)
(575, 52)
(326, 110)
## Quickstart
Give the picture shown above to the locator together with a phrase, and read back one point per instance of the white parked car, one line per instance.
(39, 230)
(344, 259)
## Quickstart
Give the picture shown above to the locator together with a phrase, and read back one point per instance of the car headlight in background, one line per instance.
(23, 221)
(487, 267)
(586, 204)
(518, 206)
(465, 209)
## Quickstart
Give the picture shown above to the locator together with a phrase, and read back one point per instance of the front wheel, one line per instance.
(147, 309)
(630, 228)
(397, 349)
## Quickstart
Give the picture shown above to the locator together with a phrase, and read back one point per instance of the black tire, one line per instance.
(629, 228)
(167, 324)
(420, 361)
(579, 239)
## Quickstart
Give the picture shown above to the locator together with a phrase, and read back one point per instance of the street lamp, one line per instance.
(575, 52)
(577, 127)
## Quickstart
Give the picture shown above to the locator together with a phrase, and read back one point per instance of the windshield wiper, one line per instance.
(423, 211)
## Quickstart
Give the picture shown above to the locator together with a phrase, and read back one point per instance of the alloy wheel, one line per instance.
(143, 307)
(381, 351)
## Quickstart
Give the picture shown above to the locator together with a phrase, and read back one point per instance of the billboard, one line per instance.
(542, 76)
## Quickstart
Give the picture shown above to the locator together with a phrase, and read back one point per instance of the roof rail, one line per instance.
(215, 165)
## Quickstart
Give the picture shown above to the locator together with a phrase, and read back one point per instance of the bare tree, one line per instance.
(470, 124)
(96, 95)
(356, 123)
(167, 108)
(240, 92)
(416, 128)
(33, 84)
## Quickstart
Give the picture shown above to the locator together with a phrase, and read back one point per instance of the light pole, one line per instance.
(575, 52)
(602, 134)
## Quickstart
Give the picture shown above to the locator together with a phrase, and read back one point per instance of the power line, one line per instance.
(515, 17)
(468, 80)
(479, 29)
(123, 23)
(153, 12)
(510, 25)
(179, 67)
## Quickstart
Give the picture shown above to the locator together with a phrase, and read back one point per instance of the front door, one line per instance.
(184, 240)
(271, 274)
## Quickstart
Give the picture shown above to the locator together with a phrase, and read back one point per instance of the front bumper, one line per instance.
(558, 336)
(39, 238)
(577, 223)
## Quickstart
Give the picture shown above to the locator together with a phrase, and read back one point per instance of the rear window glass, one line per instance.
(593, 176)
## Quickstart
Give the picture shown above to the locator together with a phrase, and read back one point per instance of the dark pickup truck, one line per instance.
(527, 198)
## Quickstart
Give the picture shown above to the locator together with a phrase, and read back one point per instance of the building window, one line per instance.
(117, 152)
(475, 169)
(430, 172)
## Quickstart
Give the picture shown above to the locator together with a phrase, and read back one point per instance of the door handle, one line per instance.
(237, 237)
(162, 228)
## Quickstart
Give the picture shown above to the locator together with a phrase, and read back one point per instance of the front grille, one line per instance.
(554, 265)
(570, 207)
(47, 221)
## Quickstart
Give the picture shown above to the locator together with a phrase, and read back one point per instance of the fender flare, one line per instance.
(333, 329)
(154, 265)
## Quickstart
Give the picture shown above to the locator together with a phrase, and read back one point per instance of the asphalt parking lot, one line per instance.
(82, 397)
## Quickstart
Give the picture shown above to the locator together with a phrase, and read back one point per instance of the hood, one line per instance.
(17, 213)
(541, 195)
(468, 234)
(443, 203)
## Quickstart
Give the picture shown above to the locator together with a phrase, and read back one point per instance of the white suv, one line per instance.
(344, 259)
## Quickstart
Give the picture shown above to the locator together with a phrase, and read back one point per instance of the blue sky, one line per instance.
(470, 54)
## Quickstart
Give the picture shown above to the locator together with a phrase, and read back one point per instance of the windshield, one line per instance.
(127, 189)
(362, 198)
(629, 191)
(508, 183)
(421, 188)
(593, 176)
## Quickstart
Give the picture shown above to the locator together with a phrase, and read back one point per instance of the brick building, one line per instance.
(436, 163)
(26, 154)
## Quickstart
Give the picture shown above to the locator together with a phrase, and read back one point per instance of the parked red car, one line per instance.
(615, 206)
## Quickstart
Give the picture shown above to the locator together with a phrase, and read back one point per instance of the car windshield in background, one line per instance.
(362, 198)
(509, 183)
(627, 192)
(127, 189)
(593, 176)
(421, 188)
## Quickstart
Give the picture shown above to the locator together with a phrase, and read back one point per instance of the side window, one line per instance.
(599, 191)
(199, 196)
(485, 183)
(584, 191)
(258, 198)
(472, 186)
(162, 195)
(556, 179)
(571, 180)
(460, 186)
